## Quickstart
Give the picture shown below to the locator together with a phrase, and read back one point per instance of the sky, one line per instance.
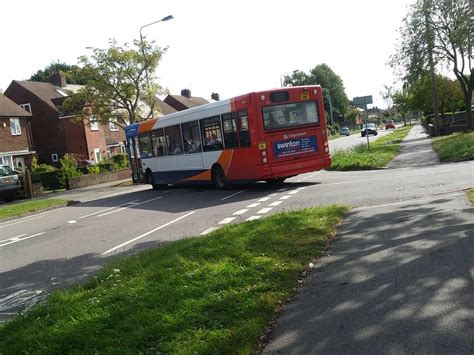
(231, 48)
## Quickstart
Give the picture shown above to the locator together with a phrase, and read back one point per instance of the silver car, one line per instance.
(9, 183)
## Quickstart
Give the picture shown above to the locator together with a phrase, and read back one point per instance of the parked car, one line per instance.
(390, 124)
(371, 129)
(9, 183)
(344, 131)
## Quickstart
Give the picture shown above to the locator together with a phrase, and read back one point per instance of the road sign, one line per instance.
(362, 101)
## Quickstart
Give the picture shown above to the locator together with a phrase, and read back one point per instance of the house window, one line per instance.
(26, 107)
(94, 123)
(15, 126)
(6, 160)
(113, 126)
(54, 158)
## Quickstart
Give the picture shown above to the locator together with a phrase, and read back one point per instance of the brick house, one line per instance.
(55, 134)
(16, 149)
(184, 101)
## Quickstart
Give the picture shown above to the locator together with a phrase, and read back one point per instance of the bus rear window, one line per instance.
(290, 115)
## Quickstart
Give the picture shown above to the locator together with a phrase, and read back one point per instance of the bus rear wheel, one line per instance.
(277, 181)
(149, 180)
(218, 177)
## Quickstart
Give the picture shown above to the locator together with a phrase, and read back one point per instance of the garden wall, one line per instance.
(94, 179)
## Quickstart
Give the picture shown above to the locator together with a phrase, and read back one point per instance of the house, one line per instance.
(54, 133)
(16, 149)
(184, 101)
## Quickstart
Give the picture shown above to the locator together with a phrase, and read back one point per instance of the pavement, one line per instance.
(398, 278)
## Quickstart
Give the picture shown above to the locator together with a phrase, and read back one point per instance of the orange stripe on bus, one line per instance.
(147, 125)
(224, 161)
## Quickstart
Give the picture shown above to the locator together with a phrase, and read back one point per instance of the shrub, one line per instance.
(69, 168)
(50, 180)
(37, 168)
(93, 169)
(120, 161)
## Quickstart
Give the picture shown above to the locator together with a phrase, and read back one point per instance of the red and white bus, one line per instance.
(268, 135)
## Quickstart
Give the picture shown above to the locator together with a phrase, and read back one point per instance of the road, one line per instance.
(354, 139)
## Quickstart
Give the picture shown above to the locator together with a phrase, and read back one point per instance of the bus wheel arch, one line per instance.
(218, 177)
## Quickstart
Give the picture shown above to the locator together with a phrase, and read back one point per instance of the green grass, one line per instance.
(470, 195)
(455, 147)
(21, 208)
(382, 151)
(209, 295)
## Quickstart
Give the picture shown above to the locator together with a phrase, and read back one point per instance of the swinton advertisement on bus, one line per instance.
(291, 147)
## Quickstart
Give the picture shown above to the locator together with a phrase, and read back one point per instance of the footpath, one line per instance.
(397, 279)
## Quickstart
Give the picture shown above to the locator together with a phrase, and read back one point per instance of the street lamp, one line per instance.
(167, 18)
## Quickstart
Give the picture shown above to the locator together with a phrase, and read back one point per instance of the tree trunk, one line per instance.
(468, 103)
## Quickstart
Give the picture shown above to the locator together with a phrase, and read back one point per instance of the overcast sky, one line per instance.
(214, 46)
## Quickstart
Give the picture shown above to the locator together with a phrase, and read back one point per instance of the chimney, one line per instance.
(58, 79)
(186, 93)
(215, 96)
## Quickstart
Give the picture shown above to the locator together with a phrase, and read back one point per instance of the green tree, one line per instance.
(118, 79)
(387, 95)
(322, 75)
(73, 73)
(403, 103)
(449, 93)
(440, 31)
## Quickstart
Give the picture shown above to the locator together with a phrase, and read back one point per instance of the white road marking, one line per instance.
(271, 195)
(21, 239)
(252, 205)
(264, 199)
(285, 197)
(227, 220)
(71, 221)
(225, 198)
(293, 192)
(18, 222)
(239, 212)
(108, 209)
(12, 238)
(124, 208)
(264, 210)
(275, 203)
(307, 177)
(302, 187)
(147, 233)
(209, 230)
(252, 218)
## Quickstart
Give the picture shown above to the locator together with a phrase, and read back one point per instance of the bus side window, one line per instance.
(157, 143)
(244, 133)
(191, 137)
(229, 123)
(173, 139)
(212, 134)
(145, 146)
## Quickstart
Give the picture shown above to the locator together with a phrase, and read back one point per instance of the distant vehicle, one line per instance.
(345, 131)
(9, 183)
(390, 124)
(371, 129)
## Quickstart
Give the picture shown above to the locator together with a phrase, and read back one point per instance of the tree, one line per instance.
(387, 96)
(322, 75)
(119, 80)
(440, 31)
(403, 102)
(73, 73)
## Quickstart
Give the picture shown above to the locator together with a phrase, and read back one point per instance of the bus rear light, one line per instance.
(326, 150)
(262, 97)
(262, 145)
(264, 153)
(315, 91)
(264, 160)
(325, 143)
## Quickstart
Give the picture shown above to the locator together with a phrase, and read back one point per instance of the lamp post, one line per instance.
(167, 18)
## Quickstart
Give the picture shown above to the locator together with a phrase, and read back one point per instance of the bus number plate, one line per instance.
(304, 95)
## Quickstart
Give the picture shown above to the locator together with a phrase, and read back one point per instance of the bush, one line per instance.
(120, 161)
(37, 168)
(50, 180)
(69, 168)
(93, 169)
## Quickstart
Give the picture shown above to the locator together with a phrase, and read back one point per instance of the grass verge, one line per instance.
(382, 151)
(455, 147)
(21, 208)
(209, 295)
(470, 195)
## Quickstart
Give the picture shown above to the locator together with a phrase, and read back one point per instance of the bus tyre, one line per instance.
(218, 177)
(149, 180)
